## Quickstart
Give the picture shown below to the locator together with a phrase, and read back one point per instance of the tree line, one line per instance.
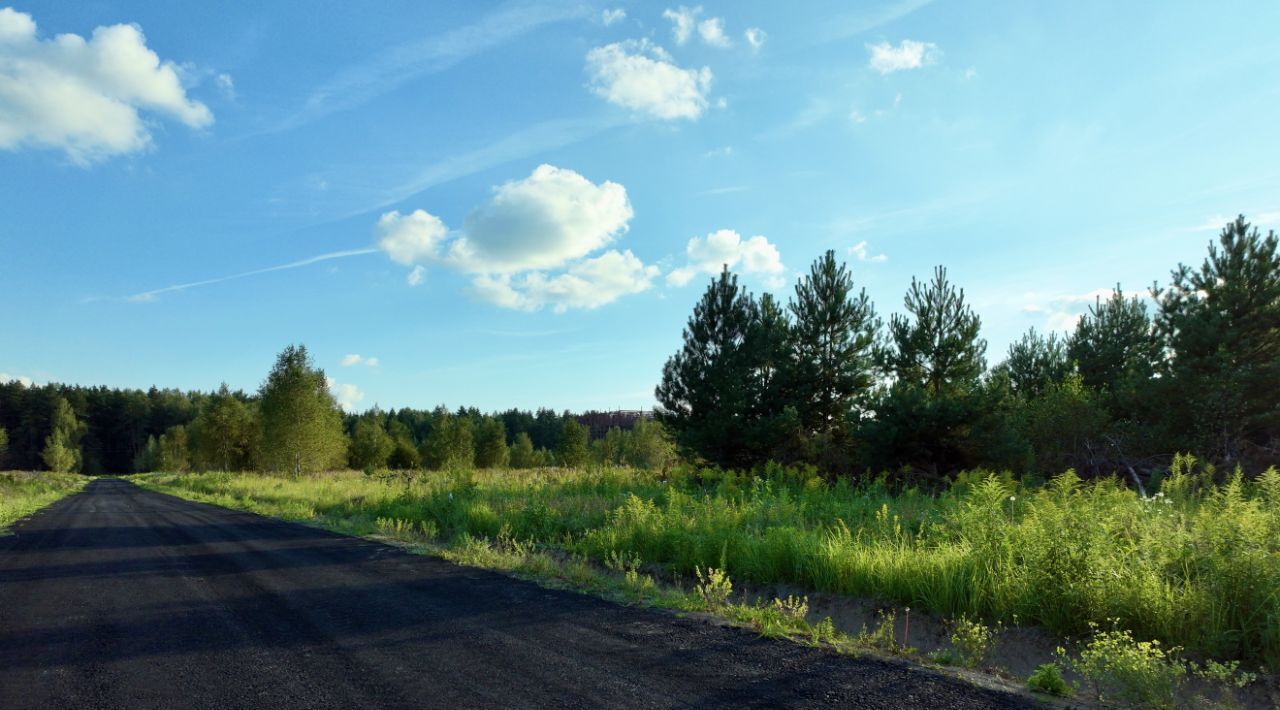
(824, 380)
(292, 423)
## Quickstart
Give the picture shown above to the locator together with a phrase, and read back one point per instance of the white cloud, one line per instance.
(21, 379)
(682, 22)
(909, 54)
(588, 284)
(638, 75)
(725, 247)
(226, 85)
(862, 251)
(354, 359)
(410, 238)
(416, 276)
(540, 222)
(609, 17)
(1063, 311)
(348, 396)
(755, 37)
(83, 97)
(711, 30)
(1218, 222)
(551, 221)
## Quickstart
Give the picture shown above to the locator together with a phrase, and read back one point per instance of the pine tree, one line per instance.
(572, 451)
(62, 447)
(1222, 326)
(491, 447)
(1116, 349)
(926, 418)
(301, 422)
(1035, 362)
(938, 348)
(706, 393)
(833, 336)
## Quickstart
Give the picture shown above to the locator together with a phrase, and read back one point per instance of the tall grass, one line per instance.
(1196, 565)
(22, 494)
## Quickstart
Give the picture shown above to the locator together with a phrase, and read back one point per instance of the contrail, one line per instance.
(151, 295)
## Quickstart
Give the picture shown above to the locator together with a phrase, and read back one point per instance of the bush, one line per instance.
(1130, 672)
(1047, 679)
(971, 640)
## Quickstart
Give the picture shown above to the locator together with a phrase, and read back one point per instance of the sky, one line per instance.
(517, 204)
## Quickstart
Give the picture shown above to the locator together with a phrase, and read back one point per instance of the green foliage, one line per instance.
(450, 444)
(1047, 678)
(971, 640)
(22, 494)
(522, 454)
(714, 587)
(1133, 673)
(1066, 426)
(62, 447)
(171, 453)
(223, 433)
(832, 339)
(301, 424)
(572, 451)
(1222, 325)
(1194, 565)
(1035, 362)
(708, 396)
(1116, 350)
(371, 445)
(938, 347)
(4, 446)
(491, 444)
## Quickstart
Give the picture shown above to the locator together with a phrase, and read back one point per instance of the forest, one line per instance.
(1191, 366)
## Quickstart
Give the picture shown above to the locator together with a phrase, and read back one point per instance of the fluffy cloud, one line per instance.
(530, 246)
(685, 20)
(862, 251)
(410, 238)
(83, 97)
(755, 37)
(711, 30)
(354, 359)
(725, 247)
(909, 54)
(416, 275)
(541, 222)
(21, 379)
(609, 17)
(1063, 312)
(588, 284)
(348, 396)
(641, 76)
(682, 22)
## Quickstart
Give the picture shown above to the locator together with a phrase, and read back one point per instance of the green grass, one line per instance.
(22, 494)
(1196, 566)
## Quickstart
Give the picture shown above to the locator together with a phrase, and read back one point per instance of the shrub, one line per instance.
(971, 640)
(1134, 673)
(1047, 679)
(714, 587)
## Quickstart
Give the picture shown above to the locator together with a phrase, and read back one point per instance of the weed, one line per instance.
(1047, 679)
(972, 641)
(1134, 673)
(714, 587)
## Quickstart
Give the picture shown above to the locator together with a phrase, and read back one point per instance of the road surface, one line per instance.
(118, 597)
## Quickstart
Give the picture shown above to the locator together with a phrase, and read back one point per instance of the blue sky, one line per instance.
(517, 204)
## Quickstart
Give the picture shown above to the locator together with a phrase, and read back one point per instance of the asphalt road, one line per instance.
(121, 598)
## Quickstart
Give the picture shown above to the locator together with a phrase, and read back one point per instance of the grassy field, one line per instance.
(1197, 565)
(22, 494)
